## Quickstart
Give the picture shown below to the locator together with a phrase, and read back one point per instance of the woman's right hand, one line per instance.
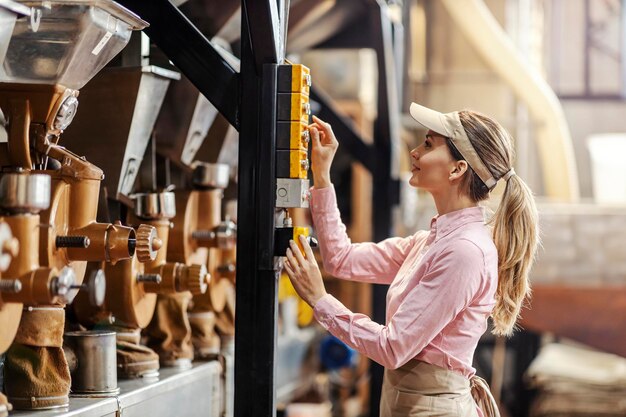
(323, 147)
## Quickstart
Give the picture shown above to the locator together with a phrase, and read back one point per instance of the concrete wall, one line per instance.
(582, 245)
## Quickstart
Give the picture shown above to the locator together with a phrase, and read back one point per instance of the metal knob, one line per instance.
(95, 287)
(66, 113)
(82, 242)
(228, 268)
(62, 284)
(12, 286)
(194, 278)
(203, 235)
(64, 287)
(149, 278)
(226, 234)
(147, 244)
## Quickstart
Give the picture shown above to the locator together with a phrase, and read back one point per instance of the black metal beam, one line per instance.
(264, 34)
(192, 53)
(343, 128)
(257, 280)
(386, 142)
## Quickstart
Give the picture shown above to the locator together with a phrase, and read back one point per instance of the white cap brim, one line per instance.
(430, 119)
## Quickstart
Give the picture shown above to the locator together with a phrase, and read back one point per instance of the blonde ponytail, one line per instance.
(515, 233)
(515, 223)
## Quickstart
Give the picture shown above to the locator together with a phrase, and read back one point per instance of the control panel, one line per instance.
(292, 136)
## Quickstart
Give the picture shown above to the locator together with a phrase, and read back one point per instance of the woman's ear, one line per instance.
(459, 168)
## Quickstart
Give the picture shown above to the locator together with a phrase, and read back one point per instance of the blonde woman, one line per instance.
(444, 282)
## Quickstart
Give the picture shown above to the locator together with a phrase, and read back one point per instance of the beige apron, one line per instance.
(419, 389)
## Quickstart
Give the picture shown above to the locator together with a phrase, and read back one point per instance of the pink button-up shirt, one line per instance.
(442, 287)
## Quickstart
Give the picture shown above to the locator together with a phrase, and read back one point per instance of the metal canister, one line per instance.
(93, 363)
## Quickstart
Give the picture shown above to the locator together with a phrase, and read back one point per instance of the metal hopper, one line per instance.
(74, 40)
(118, 110)
(9, 12)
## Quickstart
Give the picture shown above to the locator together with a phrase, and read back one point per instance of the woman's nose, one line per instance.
(414, 153)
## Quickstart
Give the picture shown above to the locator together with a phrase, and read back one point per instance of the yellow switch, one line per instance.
(292, 135)
(297, 232)
(299, 164)
(293, 107)
(294, 78)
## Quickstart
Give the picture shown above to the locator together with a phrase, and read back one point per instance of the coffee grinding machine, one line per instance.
(9, 312)
(119, 146)
(42, 289)
(39, 83)
(212, 314)
(181, 131)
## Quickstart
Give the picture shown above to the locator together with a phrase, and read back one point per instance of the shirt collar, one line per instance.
(446, 223)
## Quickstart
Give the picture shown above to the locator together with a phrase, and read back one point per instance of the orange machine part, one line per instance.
(126, 298)
(182, 246)
(24, 228)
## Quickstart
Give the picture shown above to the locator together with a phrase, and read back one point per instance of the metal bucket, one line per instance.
(93, 363)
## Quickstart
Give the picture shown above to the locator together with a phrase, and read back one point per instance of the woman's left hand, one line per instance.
(304, 273)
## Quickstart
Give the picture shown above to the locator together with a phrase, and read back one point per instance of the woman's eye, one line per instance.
(426, 144)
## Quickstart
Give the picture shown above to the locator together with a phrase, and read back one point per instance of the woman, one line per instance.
(445, 282)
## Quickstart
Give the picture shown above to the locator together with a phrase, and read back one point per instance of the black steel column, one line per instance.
(385, 177)
(256, 315)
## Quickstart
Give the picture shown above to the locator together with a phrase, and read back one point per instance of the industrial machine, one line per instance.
(119, 147)
(38, 97)
(81, 192)
(198, 234)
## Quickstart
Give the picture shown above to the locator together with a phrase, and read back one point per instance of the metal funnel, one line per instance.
(118, 111)
(183, 123)
(74, 40)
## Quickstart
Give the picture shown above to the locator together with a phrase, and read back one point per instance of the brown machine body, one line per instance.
(10, 312)
(35, 280)
(126, 299)
(210, 209)
(195, 230)
(72, 212)
(33, 110)
(183, 246)
(198, 213)
(129, 301)
(27, 104)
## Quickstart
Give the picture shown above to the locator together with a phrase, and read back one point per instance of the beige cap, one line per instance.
(450, 126)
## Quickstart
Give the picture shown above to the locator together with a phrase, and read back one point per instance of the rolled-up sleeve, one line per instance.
(366, 262)
(429, 304)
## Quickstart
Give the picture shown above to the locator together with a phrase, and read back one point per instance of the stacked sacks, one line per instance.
(577, 382)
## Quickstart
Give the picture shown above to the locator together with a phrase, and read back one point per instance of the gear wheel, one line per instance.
(148, 243)
(194, 278)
